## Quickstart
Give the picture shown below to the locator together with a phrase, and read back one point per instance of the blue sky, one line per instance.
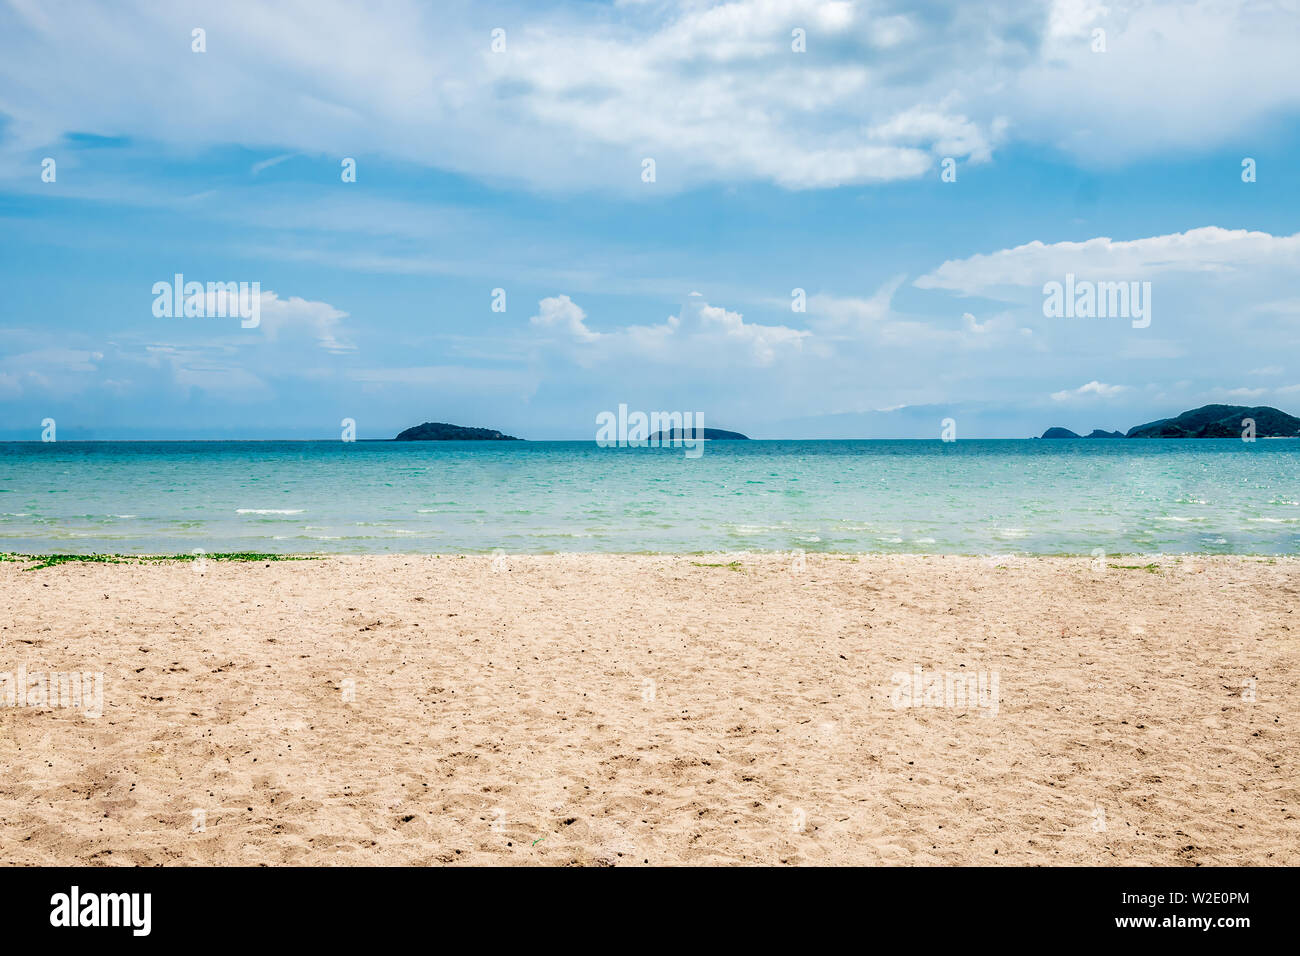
(522, 170)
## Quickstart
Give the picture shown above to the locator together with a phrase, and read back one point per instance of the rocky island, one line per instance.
(441, 431)
(710, 434)
(1066, 433)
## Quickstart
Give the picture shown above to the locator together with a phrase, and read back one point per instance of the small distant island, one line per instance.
(1066, 433)
(441, 431)
(1208, 421)
(711, 434)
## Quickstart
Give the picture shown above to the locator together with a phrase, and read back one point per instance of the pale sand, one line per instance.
(504, 717)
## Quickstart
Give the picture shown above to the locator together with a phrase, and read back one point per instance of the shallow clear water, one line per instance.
(967, 497)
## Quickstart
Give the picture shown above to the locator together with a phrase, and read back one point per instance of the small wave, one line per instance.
(268, 511)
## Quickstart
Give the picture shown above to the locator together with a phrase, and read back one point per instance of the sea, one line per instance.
(995, 497)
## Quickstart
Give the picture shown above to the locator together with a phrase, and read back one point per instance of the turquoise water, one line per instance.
(967, 497)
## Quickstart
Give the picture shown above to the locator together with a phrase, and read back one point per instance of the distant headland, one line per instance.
(1208, 421)
(441, 431)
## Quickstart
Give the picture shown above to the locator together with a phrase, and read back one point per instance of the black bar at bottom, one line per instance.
(943, 906)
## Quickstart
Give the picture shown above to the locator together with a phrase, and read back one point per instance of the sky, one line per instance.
(801, 219)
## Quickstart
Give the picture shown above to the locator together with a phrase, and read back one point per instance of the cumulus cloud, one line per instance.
(562, 313)
(295, 316)
(277, 318)
(1093, 389)
(712, 323)
(699, 332)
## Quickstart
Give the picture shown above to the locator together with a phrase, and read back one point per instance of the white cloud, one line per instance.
(208, 368)
(560, 312)
(295, 316)
(714, 331)
(835, 314)
(699, 333)
(282, 319)
(211, 355)
(712, 92)
(231, 382)
(1208, 249)
(268, 163)
(1093, 389)
(1175, 75)
(48, 369)
(872, 322)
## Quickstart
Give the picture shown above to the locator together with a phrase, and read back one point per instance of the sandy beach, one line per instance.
(597, 710)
